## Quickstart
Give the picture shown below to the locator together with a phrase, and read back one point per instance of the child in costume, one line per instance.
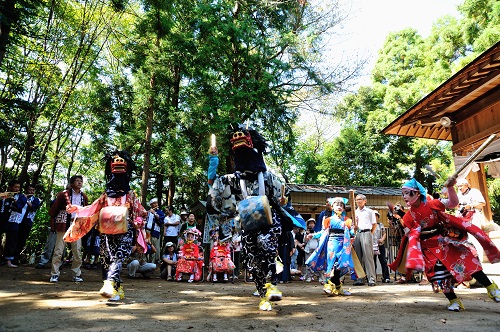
(189, 258)
(250, 178)
(334, 252)
(436, 244)
(118, 202)
(220, 259)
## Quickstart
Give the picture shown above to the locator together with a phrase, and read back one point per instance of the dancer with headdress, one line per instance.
(119, 214)
(258, 194)
(334, 254)
(436, 244)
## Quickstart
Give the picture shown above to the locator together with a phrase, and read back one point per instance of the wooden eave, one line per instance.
(342, 190)
(475, 86)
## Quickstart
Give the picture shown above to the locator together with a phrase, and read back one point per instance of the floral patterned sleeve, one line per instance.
(137, 209)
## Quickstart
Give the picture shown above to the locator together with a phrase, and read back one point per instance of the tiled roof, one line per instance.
(335, 190)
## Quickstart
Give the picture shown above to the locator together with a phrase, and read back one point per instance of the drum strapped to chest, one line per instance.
(255, 213)
(113, 219)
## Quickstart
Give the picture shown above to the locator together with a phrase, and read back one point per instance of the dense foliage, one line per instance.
(155, 78)
(408, 68)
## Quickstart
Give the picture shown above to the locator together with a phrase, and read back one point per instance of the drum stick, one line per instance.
(213, 142)
(431, 171)
(353, 207)
(473, 156)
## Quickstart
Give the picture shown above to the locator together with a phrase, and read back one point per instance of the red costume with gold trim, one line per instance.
(220, 259)
(189, 260)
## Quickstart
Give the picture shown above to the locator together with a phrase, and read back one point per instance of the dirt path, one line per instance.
(28, 302)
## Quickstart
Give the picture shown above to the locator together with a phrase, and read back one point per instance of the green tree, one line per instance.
(221, 64)
(360, 154)
(480, 25)
(408, 67)
(44, 70)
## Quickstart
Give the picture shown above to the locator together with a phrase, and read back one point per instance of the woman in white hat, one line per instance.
(169, 262)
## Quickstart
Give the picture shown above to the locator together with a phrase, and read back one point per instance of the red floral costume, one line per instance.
(220, 259)
(424, 251)
(189, 260)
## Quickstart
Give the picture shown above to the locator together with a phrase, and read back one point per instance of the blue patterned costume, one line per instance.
(334, 250)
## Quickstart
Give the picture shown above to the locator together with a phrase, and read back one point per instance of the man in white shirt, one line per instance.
(172, 225)
(366, 224)
(471, 203)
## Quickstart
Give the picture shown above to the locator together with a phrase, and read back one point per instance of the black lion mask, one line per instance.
(118, 172)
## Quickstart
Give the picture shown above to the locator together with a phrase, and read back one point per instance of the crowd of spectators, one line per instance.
(176, 240)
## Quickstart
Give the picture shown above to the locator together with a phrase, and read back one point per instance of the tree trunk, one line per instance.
(147, 144)
(43, 155)
(29, 147)
(171, 189)
(159, 189)
(73, 154)
(5, 153)
(149, 129)
(48, 190)
(60, 142)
